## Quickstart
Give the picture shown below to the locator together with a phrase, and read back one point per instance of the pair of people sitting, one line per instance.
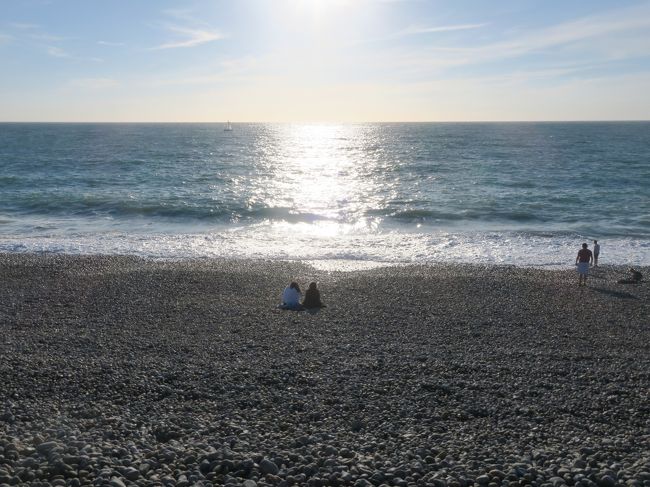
(291, 297)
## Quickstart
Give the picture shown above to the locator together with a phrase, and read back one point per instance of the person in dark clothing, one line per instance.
(583, 260)
(312, 297)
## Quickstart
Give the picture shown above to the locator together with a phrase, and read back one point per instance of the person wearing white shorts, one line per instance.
(583, 260)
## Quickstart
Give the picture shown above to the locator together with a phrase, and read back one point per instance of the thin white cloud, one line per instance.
(191, 38)
(94, 83)
(597, 26)
(227, 71)
(595, 32)
(111, 44)
(24, 26)
(185, 15)
(205, 79)
(48, 38)
(5, 38)
(188, 29)
(594, 40)
(414, 30)
(55, 51)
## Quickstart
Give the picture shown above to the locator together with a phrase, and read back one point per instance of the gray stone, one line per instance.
(47, 447)
(557, 481)
(607, 481)
(131, 474)
(267, 466)
(115, 482)
(497, 473)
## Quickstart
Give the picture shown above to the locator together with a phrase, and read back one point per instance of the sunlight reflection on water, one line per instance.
(397, 193)
(322, 173)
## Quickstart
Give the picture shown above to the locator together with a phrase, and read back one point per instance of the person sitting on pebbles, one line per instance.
(635, 278)
(312, 297)
(291, 297)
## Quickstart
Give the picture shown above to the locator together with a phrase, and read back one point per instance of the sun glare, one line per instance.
(318, 174)
(319, 8)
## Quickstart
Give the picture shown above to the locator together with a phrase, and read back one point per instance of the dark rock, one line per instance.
(267, 466)
(47, 447)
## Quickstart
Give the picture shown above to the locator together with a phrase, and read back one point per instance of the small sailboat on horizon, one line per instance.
(228, 127)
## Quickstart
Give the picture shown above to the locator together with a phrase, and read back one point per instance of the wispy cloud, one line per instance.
(5, 38)
(184, 15)
(414, 30)
(111, 44)
(55, 51)
(593, 33)
(593, 40)
(93, 83)
(190, 37)
(600, 26)
(24, 26)
(202, 79)
(188, 30)
(48, 37)
(227, 71)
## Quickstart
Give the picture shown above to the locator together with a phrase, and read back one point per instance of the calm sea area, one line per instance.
(493, 193)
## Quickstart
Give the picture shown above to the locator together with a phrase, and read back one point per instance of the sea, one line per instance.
(334, 195)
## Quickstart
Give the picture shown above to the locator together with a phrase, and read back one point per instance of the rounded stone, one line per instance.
(267, 466)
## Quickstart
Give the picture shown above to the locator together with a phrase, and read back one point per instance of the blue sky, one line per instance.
(324, 60)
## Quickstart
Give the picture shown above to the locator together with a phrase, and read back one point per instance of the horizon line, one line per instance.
(320, 122)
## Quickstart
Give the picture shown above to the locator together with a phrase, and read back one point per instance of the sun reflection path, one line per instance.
(319, 173)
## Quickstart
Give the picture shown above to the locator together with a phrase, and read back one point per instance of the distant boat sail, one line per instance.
(228, 127)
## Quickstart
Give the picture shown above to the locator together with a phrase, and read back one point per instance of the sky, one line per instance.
(324, 60)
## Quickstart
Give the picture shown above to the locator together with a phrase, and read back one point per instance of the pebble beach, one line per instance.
(122, 371)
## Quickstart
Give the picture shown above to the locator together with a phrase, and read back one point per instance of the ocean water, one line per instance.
(526, 194)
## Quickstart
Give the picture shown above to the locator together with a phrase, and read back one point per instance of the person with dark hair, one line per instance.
(312, 297)
(583, 260)
(291, 297)
(596, 252)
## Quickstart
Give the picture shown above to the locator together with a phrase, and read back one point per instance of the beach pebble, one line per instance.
(46, 447)
(607, 481)
(267, 466)
(116, 482)
(464, 387)
(131, 474)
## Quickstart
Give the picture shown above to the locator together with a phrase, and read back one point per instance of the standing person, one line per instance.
(596, 252)
(291, 297)
(583, 260)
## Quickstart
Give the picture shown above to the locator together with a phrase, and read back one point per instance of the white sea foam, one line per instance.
(343, 250)
(359, 194)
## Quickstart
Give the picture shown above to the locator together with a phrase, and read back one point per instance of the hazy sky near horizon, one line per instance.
(324, 60)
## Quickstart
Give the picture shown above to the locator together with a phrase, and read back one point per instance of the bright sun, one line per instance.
(320, 7)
